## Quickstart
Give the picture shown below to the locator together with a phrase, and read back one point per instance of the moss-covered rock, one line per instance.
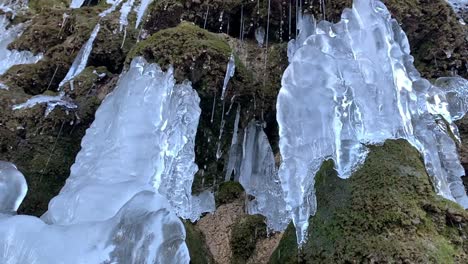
(386, 212)
(244, 236)
(228, 192)
(199, 252)
(44, 148)
(60, 37)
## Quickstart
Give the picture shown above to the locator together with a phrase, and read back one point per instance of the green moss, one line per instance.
(244, 236)
(386, 212)
(199, 252)
(228, 192)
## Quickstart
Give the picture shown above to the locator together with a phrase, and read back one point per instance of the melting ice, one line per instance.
(130, 180)
(353, 83)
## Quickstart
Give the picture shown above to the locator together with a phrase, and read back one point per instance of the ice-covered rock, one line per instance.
(350, 84)
(13, 187)
(8, 58)
(259, 177)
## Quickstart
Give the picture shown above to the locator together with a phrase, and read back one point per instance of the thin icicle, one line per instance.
(206, 16)
(76, 3)
(141, 11)
(79, 64)
(124, 11)
(235, 153)
(51, 101)
(213, 110)
(219, 153)
(230, 70)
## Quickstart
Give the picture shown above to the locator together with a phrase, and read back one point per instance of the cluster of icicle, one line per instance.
(130, 182)
(125, 8)
(351, 84)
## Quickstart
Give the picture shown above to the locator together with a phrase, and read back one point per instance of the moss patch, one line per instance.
(244, 236)
(386, 212)
(228, 192)
(199, 252)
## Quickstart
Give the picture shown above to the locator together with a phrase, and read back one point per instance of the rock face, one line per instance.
(385, 212)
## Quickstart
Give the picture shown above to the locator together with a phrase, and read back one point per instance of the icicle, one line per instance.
(230, 70)
(260, 36)
(76, 3)
(206, 16)
(232, 103)
(259, 177)
(50, 101)
(235, 157)
(124, 11)
(290, 19)
(241, 34)
(4, 86)
(79, 64)
(219, 153)
(213, 109)
(141, 11)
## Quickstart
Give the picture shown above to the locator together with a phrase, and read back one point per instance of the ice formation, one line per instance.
(141, 11)
(260, 36)
(76, 3)
(117, 160)
(130, 182)
(259, 177)
(8, 58)
(353, 83)
(13, 188)
(79, 64)
(51, 101)
(230, 71)
(235, 151)
(125, 10)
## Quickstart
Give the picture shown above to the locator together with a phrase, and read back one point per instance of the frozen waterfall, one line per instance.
(353, 83)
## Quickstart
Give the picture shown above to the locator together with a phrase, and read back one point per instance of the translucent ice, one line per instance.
(79, 64)
(51, 101)
(354, 83)
(13, 188)
(8, 57)
(260, 36)
(235, 151)
(76, 3)
(141, 11)
(230, 70)
(124, 11)
(143, 231)
(455, 90)
(259, 177)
